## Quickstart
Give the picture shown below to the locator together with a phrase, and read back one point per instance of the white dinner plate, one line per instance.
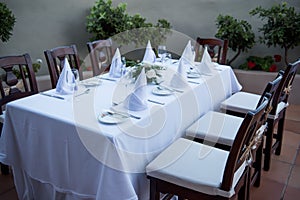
(161, 91)
(91, 83)
(107, 118)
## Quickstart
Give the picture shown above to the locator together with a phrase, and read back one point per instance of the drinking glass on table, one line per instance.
(76, 77)
(161, 52)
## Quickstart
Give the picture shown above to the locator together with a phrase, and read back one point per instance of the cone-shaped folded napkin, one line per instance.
(206, 65)
(116, 66)
(149, 55)
(137, 100)
(179, 79)
(188, 55)
(66, 82)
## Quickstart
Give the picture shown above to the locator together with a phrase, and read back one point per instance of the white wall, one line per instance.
(44, 24)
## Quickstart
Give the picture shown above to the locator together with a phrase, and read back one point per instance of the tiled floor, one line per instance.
(281, 182)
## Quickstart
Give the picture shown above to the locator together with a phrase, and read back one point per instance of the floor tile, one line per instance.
(279, 171)
(288, 154)
(295, 177)
(293, 112)
(292, 125)
(275, 190)
(297, 162)
(291, 193)
(291, 138)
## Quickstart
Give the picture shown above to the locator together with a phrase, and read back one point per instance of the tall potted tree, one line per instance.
(281, 27)
(238, 32)
(7, 21)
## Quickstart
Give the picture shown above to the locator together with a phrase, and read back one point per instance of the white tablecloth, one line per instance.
(58, 149)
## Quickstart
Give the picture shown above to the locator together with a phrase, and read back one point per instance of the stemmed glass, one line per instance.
(161, 52)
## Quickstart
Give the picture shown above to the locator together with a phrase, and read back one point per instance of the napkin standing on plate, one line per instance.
(149, 55)
(206, 65)
(116, 66)
(188, 55)
(66, 82)
(137, 100)
(179, 79)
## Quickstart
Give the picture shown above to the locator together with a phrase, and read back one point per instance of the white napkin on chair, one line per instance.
(149, 55)
(66, 82)
(116, 66)
(188, 55)
(137, 100)
(179, 79)
(206, 65)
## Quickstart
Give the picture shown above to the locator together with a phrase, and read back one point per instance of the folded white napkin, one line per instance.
(188, 55)
(137, 100)
(206, 65)
(149, 55)
(179, 79)
(116, 66)
(66, 82)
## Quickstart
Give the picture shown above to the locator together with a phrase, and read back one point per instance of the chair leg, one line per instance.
(154, 194)
(4, 169)
(268, 147)
(258, 165)
(279, 136)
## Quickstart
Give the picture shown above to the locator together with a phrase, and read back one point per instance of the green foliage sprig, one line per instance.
(153, 72)
(105, 21)
(238, 32)
(281, 26)
(7, 21)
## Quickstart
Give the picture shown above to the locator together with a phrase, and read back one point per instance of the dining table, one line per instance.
(87, 145)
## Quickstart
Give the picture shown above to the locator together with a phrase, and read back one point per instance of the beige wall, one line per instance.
(44, 24)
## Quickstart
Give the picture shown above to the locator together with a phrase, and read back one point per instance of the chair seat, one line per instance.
(207, 129)
(193, 165)
(241, 102)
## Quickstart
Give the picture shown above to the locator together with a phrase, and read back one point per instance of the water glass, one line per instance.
(161, 52)
(76, 77)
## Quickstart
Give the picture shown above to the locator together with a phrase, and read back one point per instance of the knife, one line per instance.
(52, 95)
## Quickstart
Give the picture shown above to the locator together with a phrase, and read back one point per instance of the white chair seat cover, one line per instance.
(215, 127)
(193, 165)
(241, 102)
(280, 107)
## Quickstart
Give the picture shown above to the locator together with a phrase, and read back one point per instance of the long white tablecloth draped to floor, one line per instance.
(59, 150)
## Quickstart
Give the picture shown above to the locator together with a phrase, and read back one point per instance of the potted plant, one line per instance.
(7, 21)
(238, 32)
(281, 27)
(106, 21)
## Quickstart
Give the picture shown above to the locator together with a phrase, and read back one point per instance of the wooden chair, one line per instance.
(241, 102)
(17, 81)
(212, 43)
(193, 171)
(101, 54)
(55, 58)
(222, 134)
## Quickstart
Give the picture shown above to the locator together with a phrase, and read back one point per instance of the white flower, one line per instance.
(151, 74)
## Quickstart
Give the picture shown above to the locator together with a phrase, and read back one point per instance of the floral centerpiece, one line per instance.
(267, 63)
(153, 72)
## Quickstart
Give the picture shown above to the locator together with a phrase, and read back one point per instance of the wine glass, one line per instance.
(161, 52)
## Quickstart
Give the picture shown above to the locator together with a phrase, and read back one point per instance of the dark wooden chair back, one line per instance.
(247, 140)
(101, 53)
(55, 58)
(212, 44)
(17, 80)
(285, 86)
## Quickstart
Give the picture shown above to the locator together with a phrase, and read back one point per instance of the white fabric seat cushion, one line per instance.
(215, 127)
(2, 117)
(241, 102)
(280, 107)
(193, 165)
